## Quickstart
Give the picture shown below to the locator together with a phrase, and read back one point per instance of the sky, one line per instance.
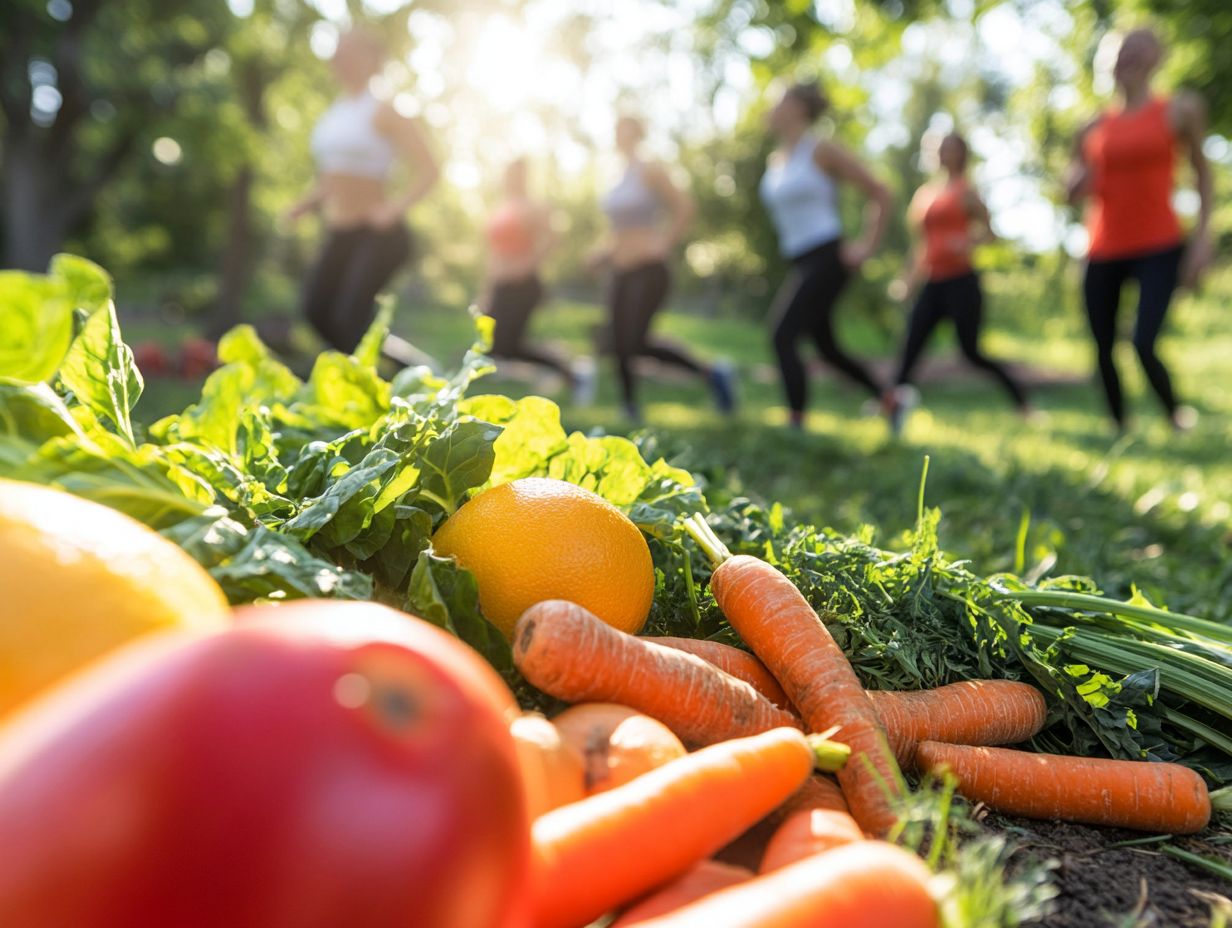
(524, 93)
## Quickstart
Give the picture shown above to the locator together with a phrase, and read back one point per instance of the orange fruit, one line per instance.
(78, 580)
(617, 743)
(536, 539)
(553, 772)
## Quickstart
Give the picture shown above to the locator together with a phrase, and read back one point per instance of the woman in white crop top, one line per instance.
(800, 189)
(356, 144)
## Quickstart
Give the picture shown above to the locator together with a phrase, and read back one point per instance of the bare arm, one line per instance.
(1189, 119)
(977, 209)
(412, 145)
(845, 167)
(309, 202)
(1078, 177)
(680, 206)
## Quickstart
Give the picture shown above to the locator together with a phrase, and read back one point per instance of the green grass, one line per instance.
(1064, 495)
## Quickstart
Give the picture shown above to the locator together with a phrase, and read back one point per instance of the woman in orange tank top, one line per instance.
(952, 220)
(1124, 163)
(519, 237)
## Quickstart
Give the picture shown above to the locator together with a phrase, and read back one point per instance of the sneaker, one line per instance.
(585, 381)
(632, 413)
(1184, 418)
(723, 383)
(897, 403)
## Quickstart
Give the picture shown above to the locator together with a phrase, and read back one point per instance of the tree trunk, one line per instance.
(34, 226)
(235, 271)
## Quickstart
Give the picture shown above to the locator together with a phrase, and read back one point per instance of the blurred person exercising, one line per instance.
(952, 219)
(648, 215)
(800, 189)
(519, 237)
(356, 144)
(1124, 162)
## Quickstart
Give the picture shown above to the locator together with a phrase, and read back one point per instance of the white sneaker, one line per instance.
(585, 381)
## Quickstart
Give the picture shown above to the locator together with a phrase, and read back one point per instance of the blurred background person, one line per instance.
(648, 216)
(950, 218)
(800, 188)
(356, 144)
(519, 238)
(1124, 162)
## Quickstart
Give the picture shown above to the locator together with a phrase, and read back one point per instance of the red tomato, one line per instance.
(329, 765)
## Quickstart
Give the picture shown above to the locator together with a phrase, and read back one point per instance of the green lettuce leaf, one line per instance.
(447, 595)
(100, 371)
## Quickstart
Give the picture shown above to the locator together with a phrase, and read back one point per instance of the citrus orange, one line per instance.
(77, 579)
(617, 743)
(536, 539)
(553, 772)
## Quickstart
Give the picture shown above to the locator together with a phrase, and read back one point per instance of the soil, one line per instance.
(1099, 885)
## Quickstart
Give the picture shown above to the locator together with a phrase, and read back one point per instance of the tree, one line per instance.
(80, 85)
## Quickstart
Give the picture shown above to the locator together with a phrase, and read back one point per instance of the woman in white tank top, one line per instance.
(800, 189)
(356, 144)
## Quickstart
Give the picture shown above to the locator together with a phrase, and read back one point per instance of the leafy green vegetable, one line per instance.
(334, 486)
(100, 371)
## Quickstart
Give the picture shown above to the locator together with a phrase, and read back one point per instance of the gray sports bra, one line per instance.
(632, 203)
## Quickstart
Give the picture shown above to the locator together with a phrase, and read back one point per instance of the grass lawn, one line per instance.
(1060, 495)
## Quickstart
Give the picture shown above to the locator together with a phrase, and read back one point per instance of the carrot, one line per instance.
(818, 792)
(703, 879)
(616, 743)
(1144, 795)
(566, 651)
(553, 772)
(785, 632)
(612, 847)
(972, 712)
(808, 832)
(868, 884)
(740, 664)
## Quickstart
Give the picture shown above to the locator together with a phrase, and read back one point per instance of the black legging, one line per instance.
(960, 299)
(1156, 275)
(354, 265)
(511, 305)
(805, 305)
(636, 294)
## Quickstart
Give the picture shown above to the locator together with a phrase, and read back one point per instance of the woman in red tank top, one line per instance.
(952, 220)
(519, 237)
(1124, 164)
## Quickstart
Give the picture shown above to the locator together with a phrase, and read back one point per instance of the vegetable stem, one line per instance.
(1086, 602)
(829, 756)
(1206, 863)
(701, 532)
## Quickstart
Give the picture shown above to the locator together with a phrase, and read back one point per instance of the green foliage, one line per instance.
(331, 486)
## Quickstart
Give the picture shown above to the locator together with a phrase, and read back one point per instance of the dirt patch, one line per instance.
(1102, 885)
(1099, 885)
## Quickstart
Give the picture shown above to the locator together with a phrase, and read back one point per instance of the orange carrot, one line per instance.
(553, 772)
(784, 631)
(1159, 797)
(819, 791)
(972, 712)
(740, 664)
(566, 651)
(612, 847)
(616, 743)
(808, 832)
(868, 884)
(703, 879)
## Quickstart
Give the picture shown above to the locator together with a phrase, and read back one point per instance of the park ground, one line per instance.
(1061, 493)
